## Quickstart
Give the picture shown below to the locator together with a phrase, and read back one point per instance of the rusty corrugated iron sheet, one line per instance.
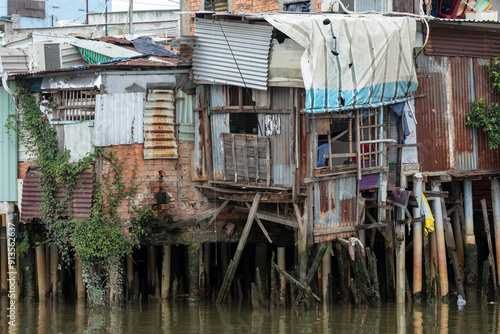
(484, 89)
(82, 196)
(334, 206)
(449, 84)
(199, 165)
(431, 113)
(159, 125)
(447, 41)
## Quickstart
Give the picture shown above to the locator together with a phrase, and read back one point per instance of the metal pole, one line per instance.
(441, 247)
(417, 239)
(106, 19)
(495, 196)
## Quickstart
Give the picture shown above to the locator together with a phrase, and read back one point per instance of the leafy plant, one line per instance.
(100, 241)
(488, 117)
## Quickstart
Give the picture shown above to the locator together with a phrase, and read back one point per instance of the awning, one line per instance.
(352, 62)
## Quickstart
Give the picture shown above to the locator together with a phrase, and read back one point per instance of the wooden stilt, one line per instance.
(262, 264)
(282, 280)
(114, 289)
(130, 277)
(243, 239)
(193, 272)
(151, 269)
(490, 245)
(80, 287)
(41, 272)
(207, 250)
(3, 264)
(54, 262)
(327, 270)
(165, 272)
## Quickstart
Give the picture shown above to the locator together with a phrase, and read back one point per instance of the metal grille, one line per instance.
(74, 105)
(159, 125)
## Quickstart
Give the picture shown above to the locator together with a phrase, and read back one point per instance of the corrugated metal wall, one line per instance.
(82, 196)
(185, 117)
(281, 145)
(119, 119)
(13, 60)
(220, 124)
(224, 49)
(8, 150)
(159, 125)
(449, 84)
(78, 139)
(334, 205)
(70, 56)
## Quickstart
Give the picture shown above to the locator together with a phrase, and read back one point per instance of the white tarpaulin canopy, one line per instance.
(352, 61)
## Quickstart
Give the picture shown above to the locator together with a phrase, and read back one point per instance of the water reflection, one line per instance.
(240, 318)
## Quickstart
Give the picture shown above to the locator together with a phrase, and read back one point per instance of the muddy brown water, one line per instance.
(181, 317)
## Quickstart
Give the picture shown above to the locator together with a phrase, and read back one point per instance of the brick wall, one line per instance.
(185, 199)
(22, 168)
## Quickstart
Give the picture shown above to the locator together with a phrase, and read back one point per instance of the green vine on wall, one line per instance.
(100, 241)
(488, 117)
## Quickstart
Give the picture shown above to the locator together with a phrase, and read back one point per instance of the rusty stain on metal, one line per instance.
(470, 42)
(334, 206)
(82, 196)
(159, 125)
(449, 85)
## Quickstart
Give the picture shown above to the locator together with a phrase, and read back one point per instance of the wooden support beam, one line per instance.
(384, 234)
(262, 228)
(490, 245)
(226, 284)
(272, 217)
(350, 228)
(305, 289)
(216, 214)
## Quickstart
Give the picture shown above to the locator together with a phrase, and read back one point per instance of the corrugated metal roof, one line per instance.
(78, 139)
(224, 49)
(469, 42)
(449, 85)
(70, 56)
(119, 119)
(334, 206)
(159, 125)
(220, 124)
(13, 60)
(82, 196)
(8, 150)
(185, 117)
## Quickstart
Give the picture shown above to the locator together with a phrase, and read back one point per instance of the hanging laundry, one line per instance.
(352, 247)
(399, 111)
(401, 197)
(425, 210)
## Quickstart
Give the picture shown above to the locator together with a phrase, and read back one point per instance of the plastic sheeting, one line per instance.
(147, 46)
(352, 62)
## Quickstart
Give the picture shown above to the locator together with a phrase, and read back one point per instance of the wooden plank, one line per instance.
(290, 221)
(350, 228)
(329, 149)
(490, 246)
(268, 166)
(256, 150)
(233, 153)
(384, 234)
(289, 277)
(239, 250)
(217, 213)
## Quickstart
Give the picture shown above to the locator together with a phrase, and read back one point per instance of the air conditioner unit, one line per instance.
(45, 56)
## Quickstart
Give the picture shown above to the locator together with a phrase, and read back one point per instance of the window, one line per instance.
(71, 105)
(216, 5)
(300, 7)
